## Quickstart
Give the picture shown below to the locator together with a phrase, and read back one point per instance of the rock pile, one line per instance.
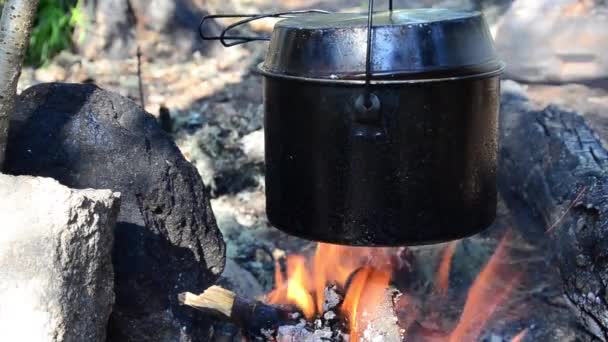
(166, 238)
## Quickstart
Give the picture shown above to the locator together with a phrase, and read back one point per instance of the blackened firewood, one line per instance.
(553, 163)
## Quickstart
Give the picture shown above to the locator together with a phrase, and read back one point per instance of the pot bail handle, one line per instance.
(228, 41)
(368, 53)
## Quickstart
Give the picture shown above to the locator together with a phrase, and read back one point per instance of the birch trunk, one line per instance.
(15, 26)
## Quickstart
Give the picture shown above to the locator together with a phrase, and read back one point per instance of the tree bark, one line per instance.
(15, 27)
(553, 163)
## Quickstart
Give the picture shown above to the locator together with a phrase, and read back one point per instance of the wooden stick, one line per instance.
(215, 299)
(254, 317)
(139, 79)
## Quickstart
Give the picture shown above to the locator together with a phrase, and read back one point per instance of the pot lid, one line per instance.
(407, 44)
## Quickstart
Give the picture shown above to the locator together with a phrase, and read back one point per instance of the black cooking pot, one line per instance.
(391, 145)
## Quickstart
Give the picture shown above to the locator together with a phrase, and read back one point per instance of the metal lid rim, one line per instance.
(496, 72)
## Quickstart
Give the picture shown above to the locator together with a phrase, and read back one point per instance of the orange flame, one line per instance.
(365, 273)
(520, 337)
(367, 289)
(296, 290)
(332, 264)
(443, 273)
(484, 296)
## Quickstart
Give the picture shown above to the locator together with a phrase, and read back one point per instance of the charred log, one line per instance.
(554, 164)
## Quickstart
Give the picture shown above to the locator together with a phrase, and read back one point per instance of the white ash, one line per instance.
(294, 333)
(383, 325)
(329, 315)
(326, 327)
(322, 335)
(332, 298)
(303, 333)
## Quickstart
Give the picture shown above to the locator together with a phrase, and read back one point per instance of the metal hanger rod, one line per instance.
(368, 62)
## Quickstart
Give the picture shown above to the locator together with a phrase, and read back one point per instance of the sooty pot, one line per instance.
(394, 144)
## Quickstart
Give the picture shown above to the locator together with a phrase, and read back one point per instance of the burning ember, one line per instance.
(356, 282)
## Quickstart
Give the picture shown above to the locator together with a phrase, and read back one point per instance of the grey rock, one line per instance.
(56, 278)
(166, 238)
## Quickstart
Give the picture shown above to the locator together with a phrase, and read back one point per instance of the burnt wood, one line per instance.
(551, 162)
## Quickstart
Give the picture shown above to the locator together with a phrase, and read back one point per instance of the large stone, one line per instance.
(56, 279)
(555, 40)
(166, 238)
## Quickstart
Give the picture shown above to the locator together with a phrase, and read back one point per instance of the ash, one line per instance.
(329, 326)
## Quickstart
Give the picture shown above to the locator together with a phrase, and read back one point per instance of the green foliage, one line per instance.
(52, 31)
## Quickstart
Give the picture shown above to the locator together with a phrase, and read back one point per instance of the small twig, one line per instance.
(559, 220)
(139, 79)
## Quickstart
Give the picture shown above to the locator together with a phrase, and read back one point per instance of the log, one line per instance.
(553, 163)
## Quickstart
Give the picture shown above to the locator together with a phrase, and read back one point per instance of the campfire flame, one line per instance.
(443, 273)
(485, 296)
(520, 337)
(297, 288)
(365, 274)
(367, 288)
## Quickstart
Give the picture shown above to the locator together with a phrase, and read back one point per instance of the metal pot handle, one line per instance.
(228, 41)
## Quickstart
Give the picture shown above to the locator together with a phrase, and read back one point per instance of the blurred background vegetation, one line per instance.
(53, 29)
(52, 32)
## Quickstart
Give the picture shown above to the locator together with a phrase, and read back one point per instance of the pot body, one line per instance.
(423, 172)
